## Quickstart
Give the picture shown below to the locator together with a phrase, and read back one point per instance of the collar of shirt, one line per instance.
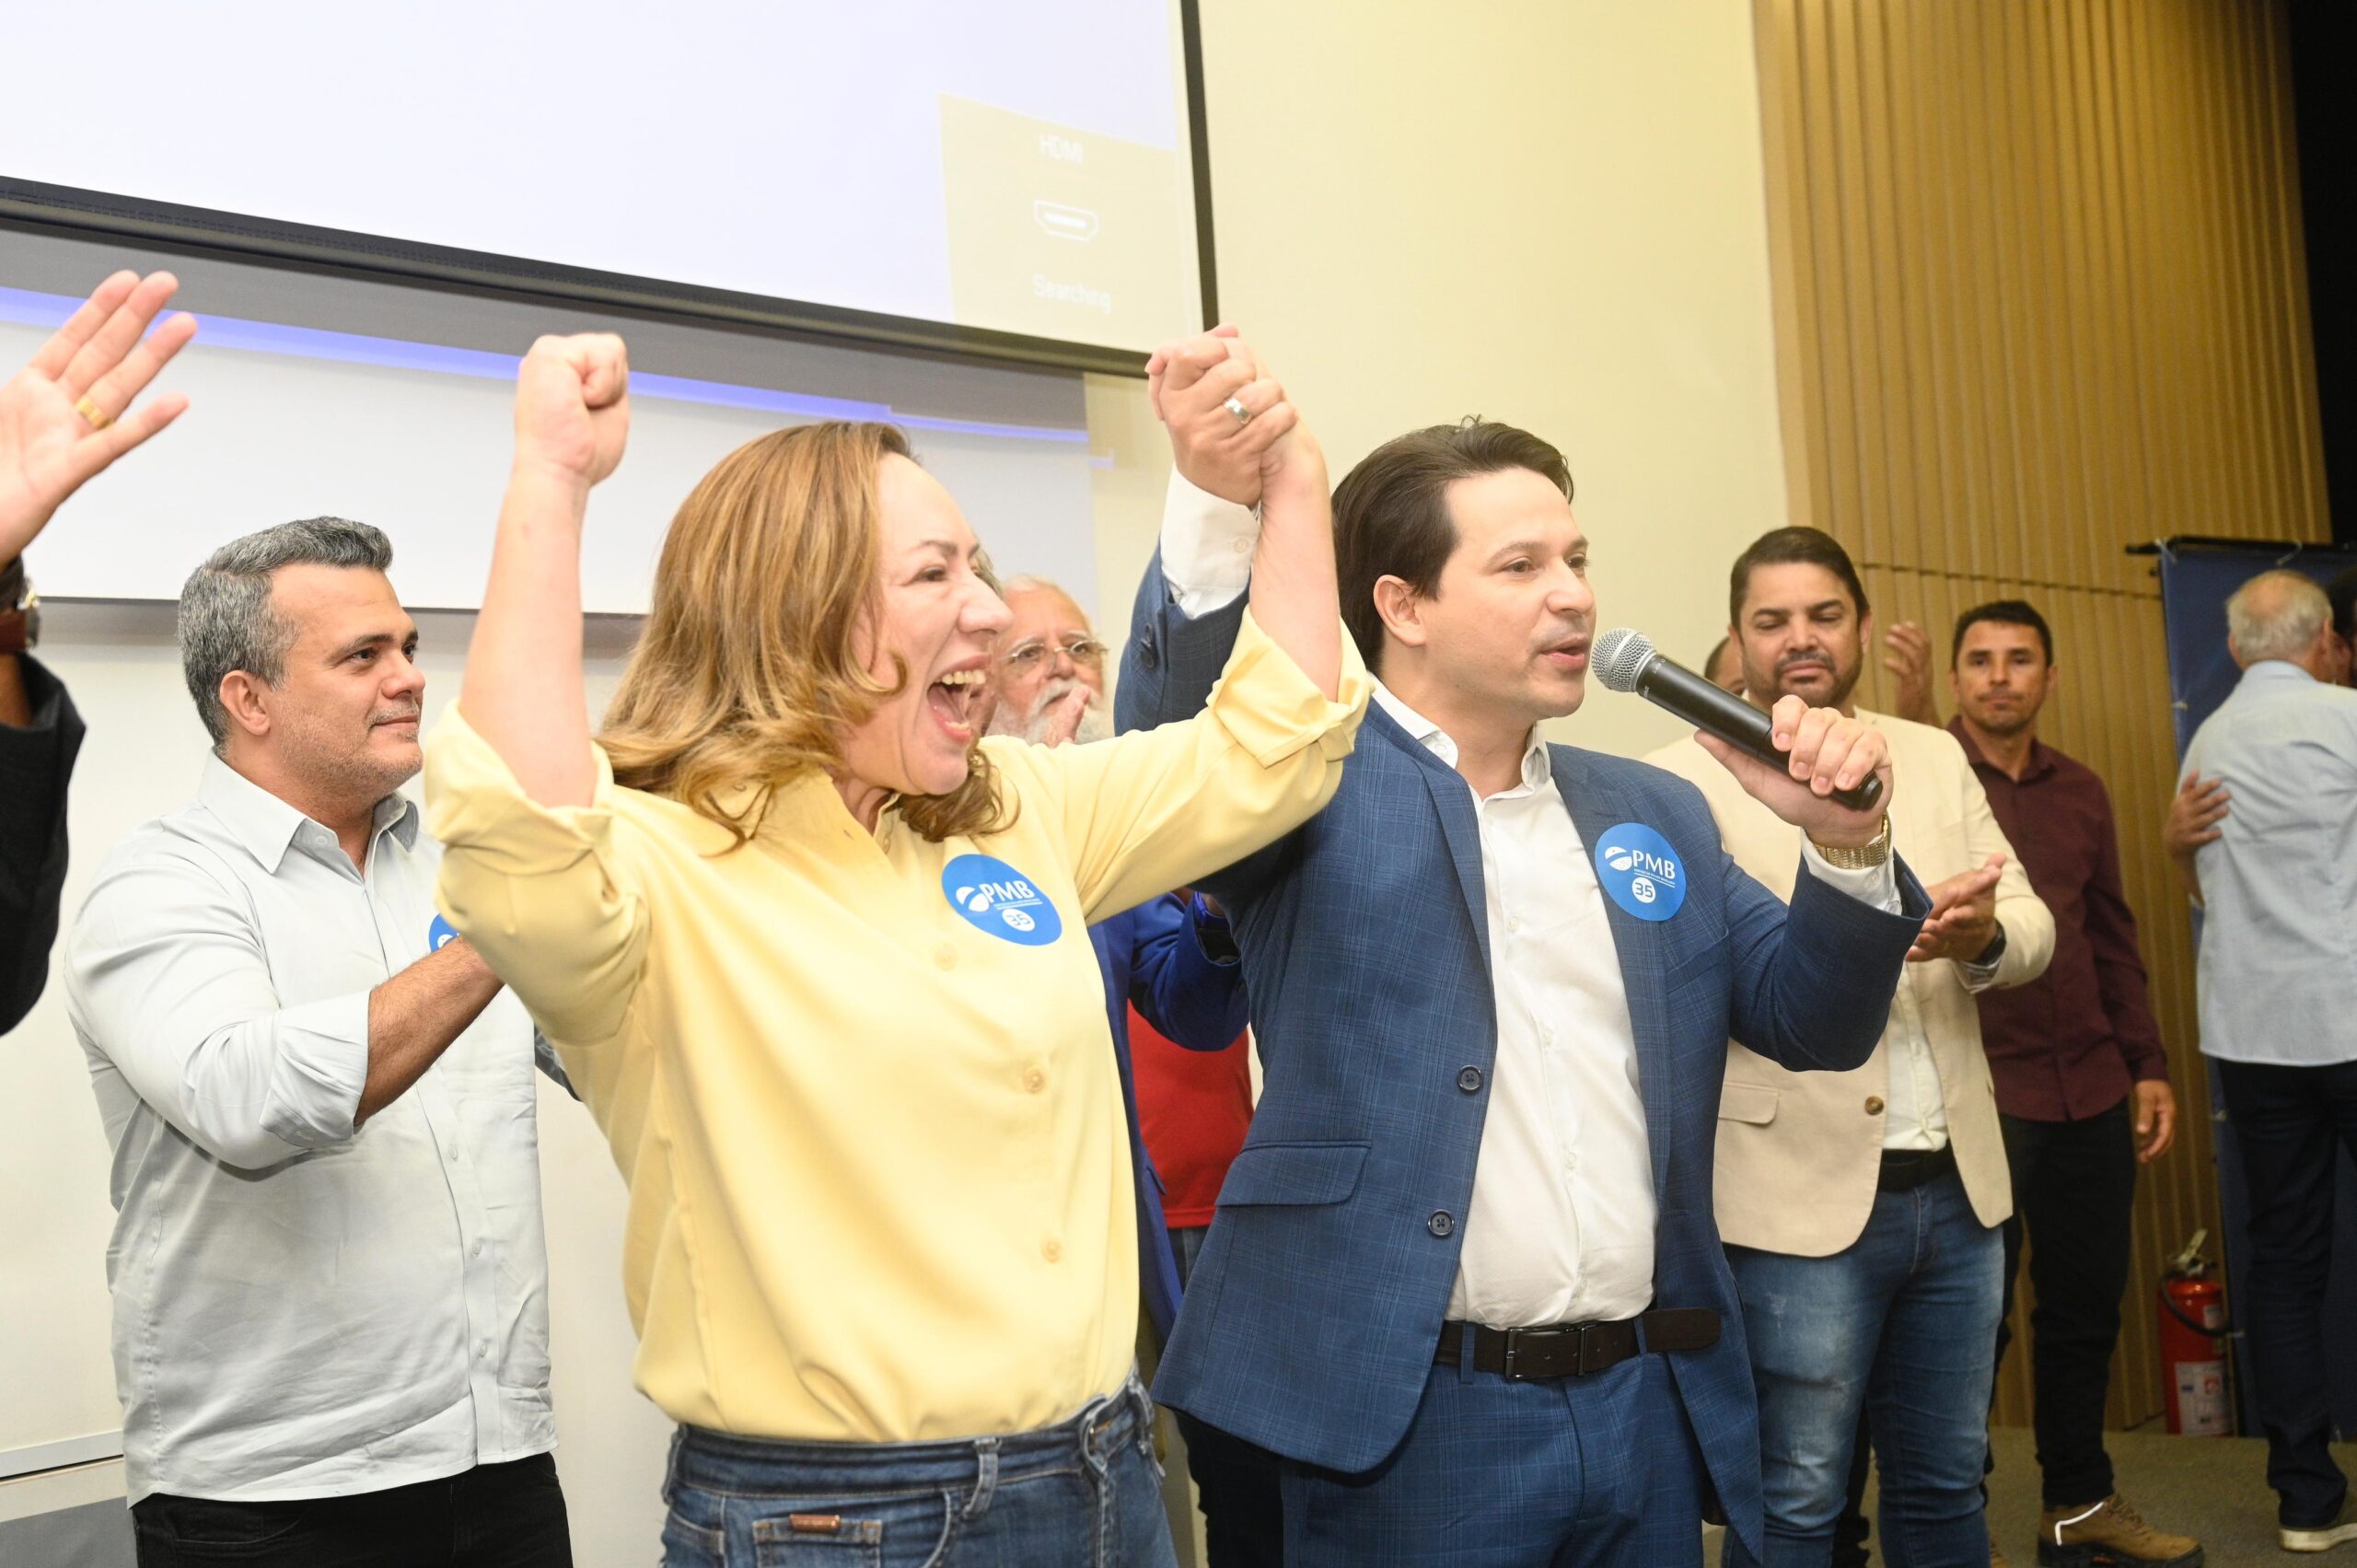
(1536, 768)
(266, 825)
(2269, 672)
(2041, 759)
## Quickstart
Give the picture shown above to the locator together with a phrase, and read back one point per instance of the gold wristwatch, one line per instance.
(1862, 857)
(20, 610)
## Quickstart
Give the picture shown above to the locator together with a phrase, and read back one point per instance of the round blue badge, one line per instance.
(1639, 871)
(440, 934)
(996, 898)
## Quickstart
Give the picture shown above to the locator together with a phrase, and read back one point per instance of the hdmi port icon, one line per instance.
(1064, 223)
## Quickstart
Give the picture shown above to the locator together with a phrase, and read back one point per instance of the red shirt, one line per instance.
(2069, 1044)
(1193, 1109)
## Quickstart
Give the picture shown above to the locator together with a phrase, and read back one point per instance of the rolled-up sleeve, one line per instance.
(539, 891)
(166, 977)
(1157, 810)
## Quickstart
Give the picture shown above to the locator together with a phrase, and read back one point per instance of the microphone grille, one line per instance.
(1619, 657)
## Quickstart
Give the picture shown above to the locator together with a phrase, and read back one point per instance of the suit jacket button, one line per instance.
(1440, 1224)
(1469, 1080)
(1147, 655)
(1874, 1105)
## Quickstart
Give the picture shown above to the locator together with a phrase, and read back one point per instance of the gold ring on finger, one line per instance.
(98, 418)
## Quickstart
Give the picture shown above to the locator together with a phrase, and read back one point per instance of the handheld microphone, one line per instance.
(1627, 661)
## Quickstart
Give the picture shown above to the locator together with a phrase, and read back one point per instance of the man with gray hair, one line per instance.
(2277, 947)
(330, 1287)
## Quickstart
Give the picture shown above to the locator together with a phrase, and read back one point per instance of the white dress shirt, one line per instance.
(302, 1309)
(1561, 1227)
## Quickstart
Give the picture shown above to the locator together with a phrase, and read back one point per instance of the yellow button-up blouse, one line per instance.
(861, 1085)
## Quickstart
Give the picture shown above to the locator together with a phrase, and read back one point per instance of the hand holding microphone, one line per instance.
(1825, 774)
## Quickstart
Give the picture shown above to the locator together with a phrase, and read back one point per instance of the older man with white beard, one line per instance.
(1048, 673)
(1174, 959)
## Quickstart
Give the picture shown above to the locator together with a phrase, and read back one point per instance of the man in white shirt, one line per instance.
(2279, 947)
(331, 1289)
(1463, 1276)
(1862, 1209)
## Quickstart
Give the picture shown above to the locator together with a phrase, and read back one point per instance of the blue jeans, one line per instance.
(1899, 1325)
(1574, 1472)
(1086, 1493)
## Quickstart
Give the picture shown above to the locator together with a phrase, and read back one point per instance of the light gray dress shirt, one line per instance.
(2278, 971)
(302, 1309)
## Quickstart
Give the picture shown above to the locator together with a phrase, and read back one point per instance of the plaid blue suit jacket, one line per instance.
(1309, 1324)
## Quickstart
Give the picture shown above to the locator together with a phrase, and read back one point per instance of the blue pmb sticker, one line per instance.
(440, 934)
(1639, 871)
(996, 898)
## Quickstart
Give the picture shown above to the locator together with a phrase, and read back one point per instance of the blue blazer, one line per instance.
(1311, 1318)
(1153, 956)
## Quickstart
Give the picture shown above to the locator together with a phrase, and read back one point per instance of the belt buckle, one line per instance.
(1514, 1343)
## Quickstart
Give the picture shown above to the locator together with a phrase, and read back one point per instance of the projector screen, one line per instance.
(1017, 179)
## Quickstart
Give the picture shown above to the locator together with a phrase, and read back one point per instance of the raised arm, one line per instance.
(1235, 444)
(523, 691)
(63, 418)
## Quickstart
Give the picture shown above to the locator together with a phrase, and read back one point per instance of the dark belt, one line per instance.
(1903, 1170)
(1577, 1350)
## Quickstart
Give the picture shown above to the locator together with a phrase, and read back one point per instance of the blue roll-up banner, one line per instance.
(2197, 578)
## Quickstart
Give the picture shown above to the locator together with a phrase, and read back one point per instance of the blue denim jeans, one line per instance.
(1085, 1492)
(1899, 1325)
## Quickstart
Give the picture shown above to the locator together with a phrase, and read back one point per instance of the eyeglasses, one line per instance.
(1024, 658)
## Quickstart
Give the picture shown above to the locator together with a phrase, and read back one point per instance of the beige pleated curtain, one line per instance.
(2039, 295)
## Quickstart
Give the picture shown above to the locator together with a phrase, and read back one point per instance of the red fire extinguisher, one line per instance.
(2193, 1351)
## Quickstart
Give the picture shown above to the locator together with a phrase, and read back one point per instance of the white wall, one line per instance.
(1550, 213)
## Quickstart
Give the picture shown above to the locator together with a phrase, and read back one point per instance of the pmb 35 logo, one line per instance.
(997, 899)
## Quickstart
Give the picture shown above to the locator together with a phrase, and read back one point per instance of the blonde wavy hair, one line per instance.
(747, 670)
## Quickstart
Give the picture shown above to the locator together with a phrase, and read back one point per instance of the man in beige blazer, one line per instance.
(1862, 1210)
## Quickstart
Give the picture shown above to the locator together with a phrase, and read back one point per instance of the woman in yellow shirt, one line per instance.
(818, 961)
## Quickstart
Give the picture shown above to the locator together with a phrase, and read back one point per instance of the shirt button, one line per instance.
(1513, 924)
(946, 955)
(1034, 1079)
(1469, 1080)
(483, 1350)
(453, 1157)
(1054, 1252)
(478, 1249)
(1442, 1223)
(1874, 1105)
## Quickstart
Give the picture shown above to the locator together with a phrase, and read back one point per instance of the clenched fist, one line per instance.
(572, 407)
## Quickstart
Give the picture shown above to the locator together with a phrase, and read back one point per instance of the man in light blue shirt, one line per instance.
(331, 1289)
(2277, 978)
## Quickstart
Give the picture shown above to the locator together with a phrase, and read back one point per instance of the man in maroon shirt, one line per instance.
(2082, 1078)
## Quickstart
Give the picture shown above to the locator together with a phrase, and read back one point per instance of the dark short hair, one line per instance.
(227, 621)
(1392, 517)
(1793, 547)
(2007, 612)
(2342, 592)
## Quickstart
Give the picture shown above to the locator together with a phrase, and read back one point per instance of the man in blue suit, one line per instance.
(1464, 1276)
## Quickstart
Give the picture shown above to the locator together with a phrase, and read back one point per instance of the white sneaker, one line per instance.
(2324, 1537)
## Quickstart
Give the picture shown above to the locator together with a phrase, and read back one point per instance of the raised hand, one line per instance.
(572, 407)
(1198, 385)
(1910, 663)
(1824, 751)
(67, 415)
(1963, 921)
